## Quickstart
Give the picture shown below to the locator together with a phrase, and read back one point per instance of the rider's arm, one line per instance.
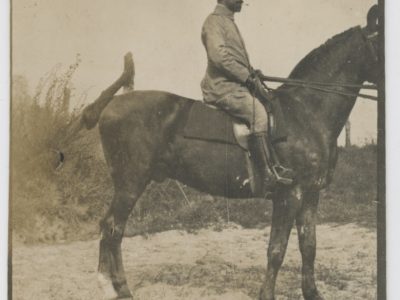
(219, 53)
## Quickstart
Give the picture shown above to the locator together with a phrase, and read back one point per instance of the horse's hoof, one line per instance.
(107, 287)
(124, 293)
(315, 296)
(264, 297)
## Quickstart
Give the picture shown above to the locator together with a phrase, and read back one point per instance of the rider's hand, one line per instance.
(251, 83)
(259, 74)
(260, 89)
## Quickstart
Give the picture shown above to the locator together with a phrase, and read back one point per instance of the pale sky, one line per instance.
(164, 37)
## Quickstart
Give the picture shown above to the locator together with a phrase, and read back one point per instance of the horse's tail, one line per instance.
(91, 114)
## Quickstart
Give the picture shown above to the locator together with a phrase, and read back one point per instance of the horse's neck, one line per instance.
(330, 109)
(340, 64)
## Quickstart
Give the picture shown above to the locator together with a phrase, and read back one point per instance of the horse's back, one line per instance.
(140, 104)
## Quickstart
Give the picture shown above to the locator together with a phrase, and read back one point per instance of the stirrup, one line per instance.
(279, 178)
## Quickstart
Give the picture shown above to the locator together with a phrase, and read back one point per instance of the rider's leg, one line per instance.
(244, 106)
(269, 167)
(262, 144)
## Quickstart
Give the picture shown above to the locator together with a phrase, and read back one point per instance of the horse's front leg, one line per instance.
(306, 222)
(286, 205)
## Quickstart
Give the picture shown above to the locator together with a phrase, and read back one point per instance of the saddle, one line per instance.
(208, 123)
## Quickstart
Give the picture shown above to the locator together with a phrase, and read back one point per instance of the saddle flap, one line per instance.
(214, 125)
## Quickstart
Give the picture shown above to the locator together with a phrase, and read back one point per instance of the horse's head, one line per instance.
(371, 69)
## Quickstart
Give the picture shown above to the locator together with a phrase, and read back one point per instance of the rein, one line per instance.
(324, 86)
(328, 87)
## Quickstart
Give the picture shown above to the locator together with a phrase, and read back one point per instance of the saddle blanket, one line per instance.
(210, 124)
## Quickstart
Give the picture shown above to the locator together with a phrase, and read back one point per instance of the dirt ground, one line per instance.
(224, 265)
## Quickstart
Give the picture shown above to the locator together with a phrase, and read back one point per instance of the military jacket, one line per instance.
(228, 64)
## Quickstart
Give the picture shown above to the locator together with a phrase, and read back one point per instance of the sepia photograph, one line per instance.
(205, 150)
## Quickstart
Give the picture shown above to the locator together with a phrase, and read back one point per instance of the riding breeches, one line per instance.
(245, 107)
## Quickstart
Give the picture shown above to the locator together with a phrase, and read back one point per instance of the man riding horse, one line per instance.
(232, 84)
(143, 141)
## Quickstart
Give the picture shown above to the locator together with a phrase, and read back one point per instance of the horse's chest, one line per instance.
(312, 163)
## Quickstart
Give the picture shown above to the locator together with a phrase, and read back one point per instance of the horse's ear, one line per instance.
(372, 18)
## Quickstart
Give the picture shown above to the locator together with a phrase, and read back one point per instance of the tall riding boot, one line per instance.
(264, 162)
(258, 151)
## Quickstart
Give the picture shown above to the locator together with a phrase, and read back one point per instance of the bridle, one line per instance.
(369, 37)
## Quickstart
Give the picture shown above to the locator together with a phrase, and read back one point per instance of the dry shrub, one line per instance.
(49, 203)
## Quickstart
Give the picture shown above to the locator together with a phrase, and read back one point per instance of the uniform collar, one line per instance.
(222, 10)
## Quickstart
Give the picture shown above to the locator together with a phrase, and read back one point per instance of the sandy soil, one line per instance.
(207, 265)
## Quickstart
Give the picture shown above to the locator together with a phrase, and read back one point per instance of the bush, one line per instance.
(352, 196)
(48, 203)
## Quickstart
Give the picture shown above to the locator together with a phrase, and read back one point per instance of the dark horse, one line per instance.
(140, 133)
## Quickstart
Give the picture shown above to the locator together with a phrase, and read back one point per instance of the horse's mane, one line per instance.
(323, 60)
(311, 61)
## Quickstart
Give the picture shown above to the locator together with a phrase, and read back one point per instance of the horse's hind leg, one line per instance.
(306, 221)
(130, 165)
(111, 270)
(286, 205)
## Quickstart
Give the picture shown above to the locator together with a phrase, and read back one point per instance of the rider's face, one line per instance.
(234, 5)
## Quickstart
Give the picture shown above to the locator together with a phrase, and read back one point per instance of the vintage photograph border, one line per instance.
(388, 145)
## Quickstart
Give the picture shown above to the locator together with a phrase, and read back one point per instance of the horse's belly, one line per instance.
(215, 168)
